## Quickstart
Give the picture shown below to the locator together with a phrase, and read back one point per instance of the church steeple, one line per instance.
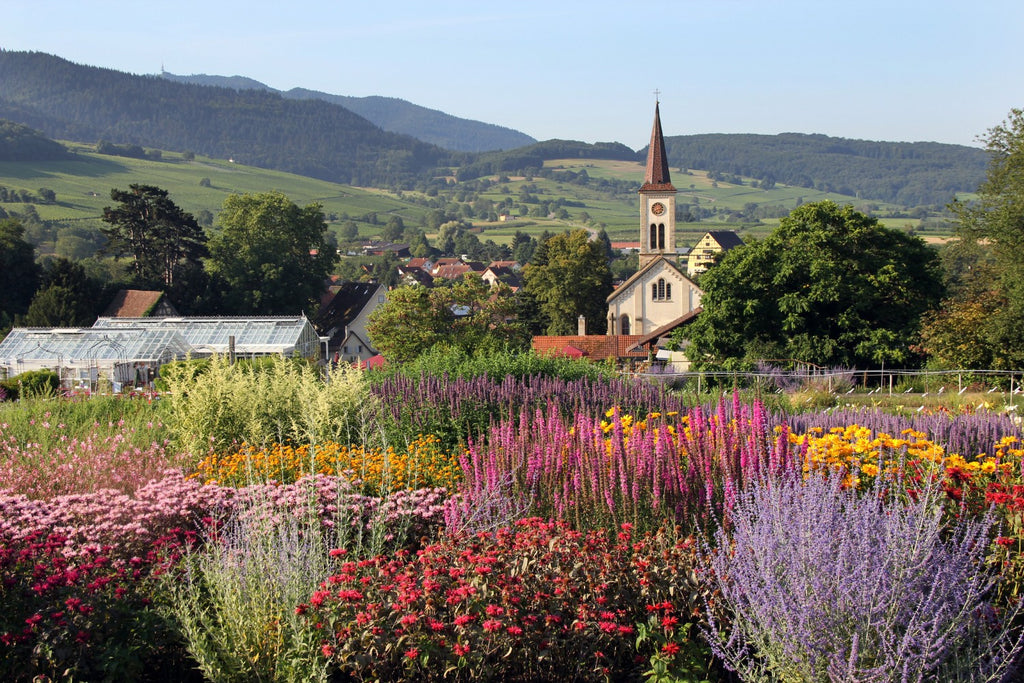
(657, 201)
(657, 177)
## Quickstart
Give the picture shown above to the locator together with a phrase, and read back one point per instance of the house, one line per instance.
(494, 274)
(342, 321)
(659, 292)
(654, 344)
(382, 248)
(710, 245)
(139, 303)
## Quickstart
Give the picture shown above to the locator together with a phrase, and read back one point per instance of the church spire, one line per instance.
(657, 177)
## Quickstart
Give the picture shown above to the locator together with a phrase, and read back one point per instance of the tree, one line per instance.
(468, 314)
(271, 257)
(993, 293)
(829, 286)
(161, 239)
(67, 297)
(19, 274)
(569, 276)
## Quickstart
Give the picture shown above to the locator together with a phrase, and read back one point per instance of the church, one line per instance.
(659, 293)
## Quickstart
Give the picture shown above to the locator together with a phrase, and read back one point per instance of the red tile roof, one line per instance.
(132, 303)
(592, 346)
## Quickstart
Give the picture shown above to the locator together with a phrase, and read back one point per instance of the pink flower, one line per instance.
(460, 649)
(328, 651)
(491, 625)
(338, 552)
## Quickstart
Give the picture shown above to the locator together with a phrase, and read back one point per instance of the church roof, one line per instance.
(657, 176)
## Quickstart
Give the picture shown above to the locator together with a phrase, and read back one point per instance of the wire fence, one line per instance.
(846, 380)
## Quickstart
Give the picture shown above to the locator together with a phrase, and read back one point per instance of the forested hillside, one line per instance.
(393, 114)
(907, 173)
(308, 137)
(324, 140)
(21, 143)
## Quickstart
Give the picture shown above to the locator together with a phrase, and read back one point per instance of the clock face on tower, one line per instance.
(657, 208)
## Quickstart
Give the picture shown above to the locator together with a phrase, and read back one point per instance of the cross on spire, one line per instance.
(656, 93)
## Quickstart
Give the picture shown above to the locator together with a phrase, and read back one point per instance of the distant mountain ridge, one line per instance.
(314, 137)
(260, 128)
(391, 114)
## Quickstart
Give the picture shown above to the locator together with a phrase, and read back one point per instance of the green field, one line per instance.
(83, 186)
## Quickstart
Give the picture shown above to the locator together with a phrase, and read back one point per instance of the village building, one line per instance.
(343, 319)
(708, 247)
(659, 292)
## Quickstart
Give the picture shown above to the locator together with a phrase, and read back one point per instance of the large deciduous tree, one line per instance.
(568, 276)
(829, 286)
(163, 240)
(987, 296)
(19, 273)
(271, 257)
(467, 314)
(67, 297)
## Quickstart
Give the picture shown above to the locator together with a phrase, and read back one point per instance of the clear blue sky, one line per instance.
(908, 70)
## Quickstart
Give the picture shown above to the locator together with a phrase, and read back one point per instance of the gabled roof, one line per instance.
(657, 177)
(133, 303)
(727, 239)
(651, 265)
(343, 308)
(593, 346)
(667, 328)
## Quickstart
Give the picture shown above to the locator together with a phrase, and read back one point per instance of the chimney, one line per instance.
(581, 326)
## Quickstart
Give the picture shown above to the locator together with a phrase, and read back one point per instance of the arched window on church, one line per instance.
(624, 325)
(661, 236)
(653, 241)
(661, 290)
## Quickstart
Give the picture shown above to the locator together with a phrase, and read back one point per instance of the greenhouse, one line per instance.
(264, 336)
(85, 357)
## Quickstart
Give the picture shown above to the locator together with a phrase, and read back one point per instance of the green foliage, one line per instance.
(453, 362)
(31, 384)
(163, 241)
(215, 405)
(19, 273)
(992, 297)
(468, 315)
(270, 257)
(570, 276)
(21, 143)
(830, 286)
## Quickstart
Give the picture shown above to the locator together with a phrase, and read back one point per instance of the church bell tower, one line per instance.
(657, 201)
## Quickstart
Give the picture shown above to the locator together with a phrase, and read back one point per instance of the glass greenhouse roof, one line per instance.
(74, 345)
(260, 335)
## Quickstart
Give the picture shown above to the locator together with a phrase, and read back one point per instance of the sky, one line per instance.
(895, 70)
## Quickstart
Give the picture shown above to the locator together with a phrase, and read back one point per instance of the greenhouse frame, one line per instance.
(252, 337)
(85, 357)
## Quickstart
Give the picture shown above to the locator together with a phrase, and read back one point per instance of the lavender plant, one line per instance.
(825, 585)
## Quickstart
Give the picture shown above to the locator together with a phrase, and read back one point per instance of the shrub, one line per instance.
(824, 584)
(31, 384)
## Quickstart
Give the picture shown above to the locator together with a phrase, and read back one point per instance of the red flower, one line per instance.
(491, 625)
(668, 623)
(328, 651)
(338, 552)
(1005, 541)
(670, 649)
(459, 649)
(412, 653)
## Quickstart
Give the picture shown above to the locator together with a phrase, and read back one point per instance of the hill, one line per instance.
(308, 137)
(392, 114)
(906, 173)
